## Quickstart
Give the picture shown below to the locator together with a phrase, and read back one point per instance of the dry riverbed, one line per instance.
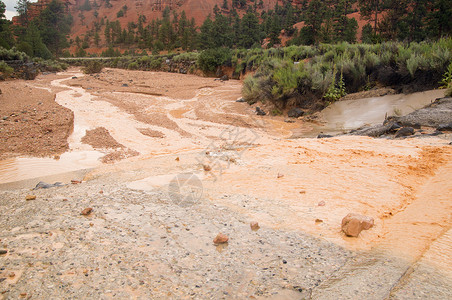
(150, 233)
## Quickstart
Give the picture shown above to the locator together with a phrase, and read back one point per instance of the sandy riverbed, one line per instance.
(142, 242)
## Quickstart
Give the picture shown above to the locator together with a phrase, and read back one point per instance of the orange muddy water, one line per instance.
(403, 184)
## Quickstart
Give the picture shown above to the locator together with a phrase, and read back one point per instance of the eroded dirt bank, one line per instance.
(31, 123)
(142, 241)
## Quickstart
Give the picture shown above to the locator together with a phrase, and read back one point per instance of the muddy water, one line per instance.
(22, 168)
(351, 114)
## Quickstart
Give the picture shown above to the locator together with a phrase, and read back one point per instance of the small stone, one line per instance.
(74, 77)
(23, 294)
(125, 85)
(260, 112)
(12, 274)
(302, 192)
(280, 175)
(177, 158)
(3, 251)
(324, 136)
(353, 224)
(87, 211)
(91, 224)
(321, 203)
(65, 199)
(207, 168)
(254, 226)
(241, 100)
(101, 192)
(318, 220)
(30, 197)
(73, 181)
(220, 239)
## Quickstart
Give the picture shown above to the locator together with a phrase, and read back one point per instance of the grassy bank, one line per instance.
(310, 76)
(17, 64)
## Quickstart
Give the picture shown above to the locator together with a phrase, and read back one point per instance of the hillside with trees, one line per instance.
(101, 27)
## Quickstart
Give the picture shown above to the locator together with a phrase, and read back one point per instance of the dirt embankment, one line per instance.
(31, 122)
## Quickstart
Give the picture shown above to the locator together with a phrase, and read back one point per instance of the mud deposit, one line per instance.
(207, 165)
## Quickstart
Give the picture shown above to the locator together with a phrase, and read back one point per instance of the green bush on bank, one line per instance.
(326, 71)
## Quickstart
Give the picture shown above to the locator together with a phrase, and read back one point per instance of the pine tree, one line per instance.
(6, 37)
(250, 31)
(54, 26)
(370, 10)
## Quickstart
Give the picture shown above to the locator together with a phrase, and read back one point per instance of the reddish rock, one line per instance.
(318, 220)
(254, 226)
(207, 168)
(87, 211)
(321, 203)
(221, 239)
(353, 224)
(30, 197)
(75, 181)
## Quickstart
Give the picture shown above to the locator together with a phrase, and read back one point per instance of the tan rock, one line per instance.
(221, 239)
(254, 226)
(207, 168)
(87, 211)
(353, 224)
(30, 197)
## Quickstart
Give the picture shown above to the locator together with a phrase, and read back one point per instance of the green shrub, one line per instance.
(5, 69)
(133, 66)
(446, 81)
(209, 60)
(92, 67)
(12, 54)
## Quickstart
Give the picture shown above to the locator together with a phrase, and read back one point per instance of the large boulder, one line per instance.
(353, 224)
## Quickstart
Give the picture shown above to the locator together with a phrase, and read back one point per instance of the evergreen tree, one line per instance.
(439, 18)
(223, 32)
(314, 17)
(33, 38)
(370, 10)
(22, 11)
(250, 31)
(54, 25)
(206, 36)
(6, 37)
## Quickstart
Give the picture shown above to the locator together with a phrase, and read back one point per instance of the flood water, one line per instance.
(22, 168)
(351, 114)
(90, 113)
